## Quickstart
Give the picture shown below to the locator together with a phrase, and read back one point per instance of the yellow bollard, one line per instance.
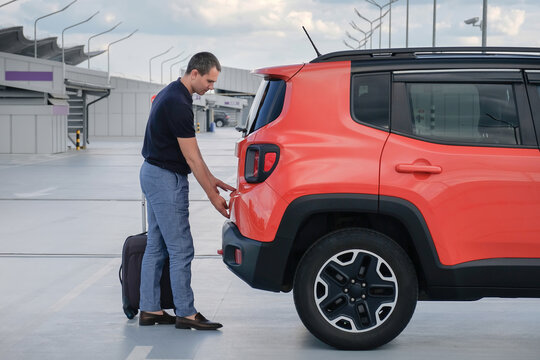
(198, 127)
(78, 140)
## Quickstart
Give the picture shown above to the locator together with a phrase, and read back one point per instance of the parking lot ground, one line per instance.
(65, 218)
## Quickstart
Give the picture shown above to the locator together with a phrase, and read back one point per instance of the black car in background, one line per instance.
(221, 118)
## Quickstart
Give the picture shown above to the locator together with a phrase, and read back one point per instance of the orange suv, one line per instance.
(368, 180)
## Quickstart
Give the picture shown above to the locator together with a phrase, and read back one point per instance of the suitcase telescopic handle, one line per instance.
(143, 209)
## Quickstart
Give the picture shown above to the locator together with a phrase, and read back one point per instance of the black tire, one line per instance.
(219, 123)
(355, 289)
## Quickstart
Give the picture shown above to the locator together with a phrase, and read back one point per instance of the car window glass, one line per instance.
(271, 103)
(464, 113)
(256, 103)
(370, 99)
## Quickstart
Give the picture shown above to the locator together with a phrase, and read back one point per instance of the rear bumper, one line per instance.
(263, 263)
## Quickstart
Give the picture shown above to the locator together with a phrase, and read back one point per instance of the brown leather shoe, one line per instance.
(152, 319)
(200, 323)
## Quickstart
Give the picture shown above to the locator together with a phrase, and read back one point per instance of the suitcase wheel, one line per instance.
(130, 312)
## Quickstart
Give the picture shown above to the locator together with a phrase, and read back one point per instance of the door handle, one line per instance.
(412, 168)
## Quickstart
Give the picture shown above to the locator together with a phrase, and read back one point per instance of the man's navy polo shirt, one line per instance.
(171, 117)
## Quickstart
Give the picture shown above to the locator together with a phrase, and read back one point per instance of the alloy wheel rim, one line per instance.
(356, 291)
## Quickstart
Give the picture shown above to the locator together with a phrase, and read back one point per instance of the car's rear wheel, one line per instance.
(355, 289)
(219, 123)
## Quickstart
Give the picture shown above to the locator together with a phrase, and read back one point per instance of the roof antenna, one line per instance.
(309, 37)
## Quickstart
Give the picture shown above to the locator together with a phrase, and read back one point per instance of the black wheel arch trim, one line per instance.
(467, 281)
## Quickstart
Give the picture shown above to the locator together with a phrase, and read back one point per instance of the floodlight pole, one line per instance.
(434, 22)
(108, 55)
(381, 7)
(44, 16)
(371, 26)
(93, 36)
(390, 26)
(407, 27)
(9, 2)
(150, 62)
(484, 23)
(63, 50)
(167, 60)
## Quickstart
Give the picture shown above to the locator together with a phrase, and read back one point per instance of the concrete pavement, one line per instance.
(64, 219)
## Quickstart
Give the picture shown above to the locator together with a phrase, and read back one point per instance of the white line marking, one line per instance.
(76, 291)
(41, 192)
(139, 352)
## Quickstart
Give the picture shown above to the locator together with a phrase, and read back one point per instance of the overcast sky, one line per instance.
(250, 34)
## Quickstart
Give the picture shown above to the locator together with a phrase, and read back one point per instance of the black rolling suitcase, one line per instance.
(130, 273)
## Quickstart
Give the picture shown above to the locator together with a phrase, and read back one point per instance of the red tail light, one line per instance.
(269, 161)
(261, 160)
(256, 163)
(238, 256)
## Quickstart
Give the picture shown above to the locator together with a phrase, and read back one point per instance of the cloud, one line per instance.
(109, 18)
(230, 13)
(330, 29)
(504, 21)
(468, 40)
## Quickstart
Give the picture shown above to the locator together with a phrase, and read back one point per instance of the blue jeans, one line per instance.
(168, 234)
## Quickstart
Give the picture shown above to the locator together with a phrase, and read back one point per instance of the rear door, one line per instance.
(463, 150)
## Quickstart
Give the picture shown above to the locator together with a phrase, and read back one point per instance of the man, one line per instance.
(171, 152)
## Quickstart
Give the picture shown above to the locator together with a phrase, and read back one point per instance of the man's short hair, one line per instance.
(203, 62)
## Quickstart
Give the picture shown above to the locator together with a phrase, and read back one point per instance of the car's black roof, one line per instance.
(432, 53)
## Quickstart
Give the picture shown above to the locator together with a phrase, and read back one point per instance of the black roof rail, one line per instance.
(412, 52)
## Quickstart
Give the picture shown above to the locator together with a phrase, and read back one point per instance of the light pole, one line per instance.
(44, 16)
(9, 2)
(167, 60)
(93, 36)
(381, 7)
(407, 27)
(355, 27)
(108, 55)
(434, 22)
(63, 50)
(371, 26)
(152, 58)
(360, 42)
(390, 26)
(484, 23)
(178, 62)
(363, 42)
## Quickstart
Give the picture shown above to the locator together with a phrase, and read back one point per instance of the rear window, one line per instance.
(370, 99)
(267, 105)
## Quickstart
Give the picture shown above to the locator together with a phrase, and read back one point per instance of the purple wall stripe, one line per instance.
(60, 110)
(29, 76)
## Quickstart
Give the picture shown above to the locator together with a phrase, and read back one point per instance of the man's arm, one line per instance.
(209, 183)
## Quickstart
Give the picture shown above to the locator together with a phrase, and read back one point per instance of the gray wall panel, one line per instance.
(44, 140)
(5, 134)
(115, 125)
(115, 103)
(23, 134)
(140, 124)
(128, 124)
(100, 126)
(142, 103)
(128, 103)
